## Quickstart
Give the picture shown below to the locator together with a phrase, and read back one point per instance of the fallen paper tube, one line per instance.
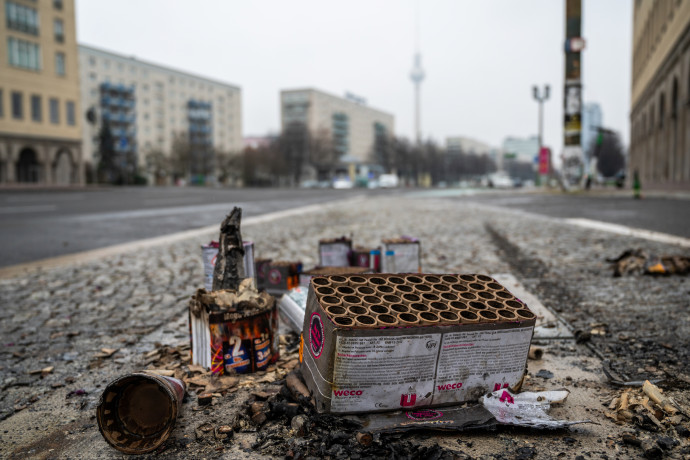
(535, 353)
(137, 412)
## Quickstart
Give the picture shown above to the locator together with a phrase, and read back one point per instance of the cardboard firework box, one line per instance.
(335, 252)
(261, 267)
(374, 343)
(233, 334)
(281, 276)
(407, 254)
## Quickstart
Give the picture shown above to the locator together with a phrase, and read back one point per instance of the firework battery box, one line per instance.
(362, 257)
(233, 332)
(374, 343)
(406, 255)
(281, 276)
(261, 267)
(306, 276)
(335, 252)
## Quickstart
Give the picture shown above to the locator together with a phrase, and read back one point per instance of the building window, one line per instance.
(59, 29)
(21, 18)
(57, 4)
(60, 63)
(36, 114)
(70, 113)
(24, 54)
(92, 76)
(54, 111)
(17, 105)
(92, 61)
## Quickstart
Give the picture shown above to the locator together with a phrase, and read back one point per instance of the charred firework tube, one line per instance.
(418, 307)
(408, 319)
(345, 290)
(384, 290)
(387, 320)
(495, 304)
(321, 281)
(506, 314)
(379, 310)
(449, 317)
(494, 286)
(485, 279)
(535, 353)
(467, 316)
(390, 299)
(431, 279)
(430, 297)
(477, 305)
(337, 280)
(369, 300)
(468, 296)
(365, 321)
(413, 280)
(330, 300)
(486, 295)
(355, 310)
(458, 305)
(514, 304)
(449, 296)
(423, 289)
(449, 279)
(410, 298)
(504, 295)
(487, 316)
(399, 308)
(375, 281)
(459, 288)
(345, 321)
(137, 412)
(350, 300)
(365, 290)
(525, 314)
(355, 281)
(404, 289)
(335, 310)
(395, 281)
(438, 306)
(476, 286)
(467, 279)
(428, 317)
(440, 288)
(324, 290)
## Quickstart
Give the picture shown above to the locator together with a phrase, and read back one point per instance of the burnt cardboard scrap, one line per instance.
(445, 418)
(437, 340)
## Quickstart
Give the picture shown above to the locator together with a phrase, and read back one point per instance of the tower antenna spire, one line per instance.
(417, 76)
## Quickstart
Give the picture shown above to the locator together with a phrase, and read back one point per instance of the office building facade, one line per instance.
(148, 107)
(40, 121)
(592, 120)
(660, 100)
(352, 126)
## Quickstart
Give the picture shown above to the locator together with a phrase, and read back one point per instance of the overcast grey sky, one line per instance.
(481, 57)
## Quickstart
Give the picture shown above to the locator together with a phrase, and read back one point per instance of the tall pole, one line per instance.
(417, 76)
(573, 164)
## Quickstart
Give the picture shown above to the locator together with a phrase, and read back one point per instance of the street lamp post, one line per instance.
(541, 97)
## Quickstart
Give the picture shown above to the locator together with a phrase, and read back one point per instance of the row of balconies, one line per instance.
(119, 117)
(108, 101)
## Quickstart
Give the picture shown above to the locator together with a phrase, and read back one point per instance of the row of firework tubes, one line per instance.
(416, 300)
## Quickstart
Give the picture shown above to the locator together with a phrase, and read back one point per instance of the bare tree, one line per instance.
(158, 165)
(181, 156)
(229, 167)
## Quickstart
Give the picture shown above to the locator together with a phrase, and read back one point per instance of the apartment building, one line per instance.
(40, 112)
(148, 106)
(660, 102)
(353, 126)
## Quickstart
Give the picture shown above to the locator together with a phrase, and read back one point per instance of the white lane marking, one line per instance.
(209, 231)
(630, 231)
(27, 209)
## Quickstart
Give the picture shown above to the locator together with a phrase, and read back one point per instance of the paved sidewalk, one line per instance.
(136, 301)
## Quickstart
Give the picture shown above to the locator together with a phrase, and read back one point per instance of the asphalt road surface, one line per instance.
(35, 225)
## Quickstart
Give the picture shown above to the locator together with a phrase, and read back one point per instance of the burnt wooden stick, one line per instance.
(229, 269)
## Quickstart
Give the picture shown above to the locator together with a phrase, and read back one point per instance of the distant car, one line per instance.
(388, 181)
(500, 180)
(342, 183)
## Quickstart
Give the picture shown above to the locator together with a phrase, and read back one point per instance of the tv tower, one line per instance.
(417, 76)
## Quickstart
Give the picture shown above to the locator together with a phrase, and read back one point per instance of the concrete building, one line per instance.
(467, 145)
(660, 101)
(40, 122)
(148, 105)
(592, 119)
(521, 149)
(352, 126)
